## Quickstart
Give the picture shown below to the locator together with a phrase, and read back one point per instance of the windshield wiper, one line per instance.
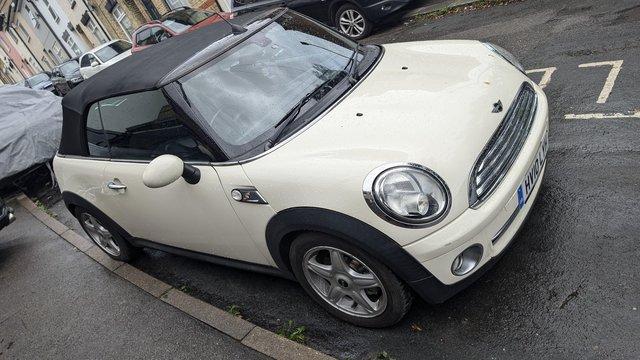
(292, 115)
(353, 61)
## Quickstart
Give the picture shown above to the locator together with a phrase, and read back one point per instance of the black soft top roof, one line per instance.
(149, 69)
(159, 64)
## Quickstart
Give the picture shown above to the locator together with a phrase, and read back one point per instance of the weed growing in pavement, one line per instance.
(42, 207)
(185, 288)
(292, 332)
(234, 310)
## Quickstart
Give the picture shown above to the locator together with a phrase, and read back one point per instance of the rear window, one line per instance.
(112, 50)
(152, 36)
(140, 126)
(142, 37)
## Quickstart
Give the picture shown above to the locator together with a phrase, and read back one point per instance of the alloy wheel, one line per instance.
(99, 234)
(352, 23)
(344, 281)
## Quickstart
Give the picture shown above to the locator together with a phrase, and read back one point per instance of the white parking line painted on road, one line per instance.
(628, 115)
(611, 79)
(546, 77)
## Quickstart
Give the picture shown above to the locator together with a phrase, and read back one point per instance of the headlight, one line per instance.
(505, 55)
(407, 194)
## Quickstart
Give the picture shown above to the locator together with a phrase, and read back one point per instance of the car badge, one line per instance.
(497, 107)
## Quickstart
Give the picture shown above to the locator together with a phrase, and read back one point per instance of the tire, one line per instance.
(115, 245)
(352, 22)
(337, 289)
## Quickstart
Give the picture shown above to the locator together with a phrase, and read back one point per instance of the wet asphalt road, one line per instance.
(569, 287)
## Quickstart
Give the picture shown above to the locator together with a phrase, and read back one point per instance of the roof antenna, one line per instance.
(235, 29)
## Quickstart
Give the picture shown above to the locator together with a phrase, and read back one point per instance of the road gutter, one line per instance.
(243, 331)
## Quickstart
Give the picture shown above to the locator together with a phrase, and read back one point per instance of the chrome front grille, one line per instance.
(503, 148)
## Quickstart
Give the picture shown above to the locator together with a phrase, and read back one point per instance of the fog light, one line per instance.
(467, 260)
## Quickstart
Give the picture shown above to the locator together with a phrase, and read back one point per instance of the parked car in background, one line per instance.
(41, 81)
(279, 145)
(6, 215)
(103, 56)
(66, 76)
(353, 18)
(173, 23)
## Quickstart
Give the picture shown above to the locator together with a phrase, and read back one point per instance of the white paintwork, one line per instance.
(89, 71)
(611, 78)
(436, 113)
(162, 171)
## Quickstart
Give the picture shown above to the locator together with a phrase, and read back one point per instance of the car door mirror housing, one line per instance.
(94, 63)
(166, 169)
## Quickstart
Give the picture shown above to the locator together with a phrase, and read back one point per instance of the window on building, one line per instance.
(46, 62)
(32, 18)
(57, 52)
(122, 19)
(140, 126)
(174, 4)
(95, 30)
(55, 16)
(24, 32)
(69, 40)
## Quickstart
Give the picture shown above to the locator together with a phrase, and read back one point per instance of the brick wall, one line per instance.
(205, 4)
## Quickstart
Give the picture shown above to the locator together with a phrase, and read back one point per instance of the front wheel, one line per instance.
(352, 22)
(347, 282)
(107, 239)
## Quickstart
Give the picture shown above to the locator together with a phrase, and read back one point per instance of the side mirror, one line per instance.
(166, 169)
(94, 63)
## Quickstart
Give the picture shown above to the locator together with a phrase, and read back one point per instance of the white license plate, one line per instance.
(529, 182)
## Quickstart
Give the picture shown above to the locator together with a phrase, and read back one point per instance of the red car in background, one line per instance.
(174, 23)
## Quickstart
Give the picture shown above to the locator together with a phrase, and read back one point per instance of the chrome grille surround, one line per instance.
(503, 148)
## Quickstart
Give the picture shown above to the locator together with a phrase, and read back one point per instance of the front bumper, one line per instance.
(493, 225)
(377, 11)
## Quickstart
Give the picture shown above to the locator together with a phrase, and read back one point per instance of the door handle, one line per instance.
(115, 184)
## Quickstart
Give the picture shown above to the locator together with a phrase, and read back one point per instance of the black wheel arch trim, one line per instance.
(285, 225)
(72, 200)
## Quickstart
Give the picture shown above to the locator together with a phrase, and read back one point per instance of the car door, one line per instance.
(139, 127)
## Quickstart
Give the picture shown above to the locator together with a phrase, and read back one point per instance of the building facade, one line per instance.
(122, 17)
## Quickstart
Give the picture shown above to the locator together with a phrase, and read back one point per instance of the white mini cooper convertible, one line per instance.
(274, 144)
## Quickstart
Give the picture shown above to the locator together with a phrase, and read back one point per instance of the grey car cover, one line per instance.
(30, 127)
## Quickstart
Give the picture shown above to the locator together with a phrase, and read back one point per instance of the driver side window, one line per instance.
(143, 126)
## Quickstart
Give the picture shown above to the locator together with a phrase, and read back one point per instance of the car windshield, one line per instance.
(245, 93)
(69, 68)
(37, 79)
(112, 50)
(181, 20)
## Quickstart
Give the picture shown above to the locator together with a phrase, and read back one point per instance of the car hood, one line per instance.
(425, 102)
